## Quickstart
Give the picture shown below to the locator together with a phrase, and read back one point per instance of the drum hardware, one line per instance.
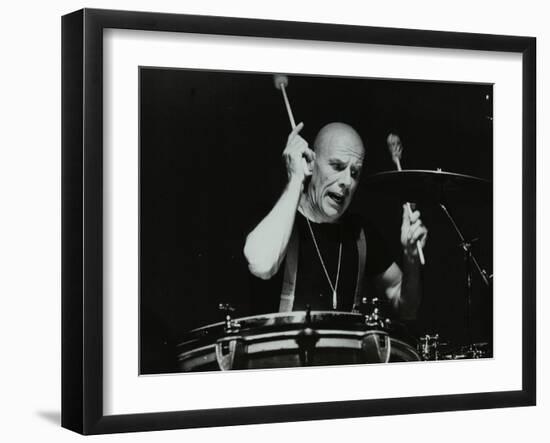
(471, 351)
(372, 312)
(229, 349)
(229, 352)
(476, 350)
(470, 262)
(231, 325)
(376, 346)
(467, 248)
(307, 340)
(429, 347)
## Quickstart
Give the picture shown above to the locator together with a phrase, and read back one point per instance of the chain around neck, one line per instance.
(335, 286)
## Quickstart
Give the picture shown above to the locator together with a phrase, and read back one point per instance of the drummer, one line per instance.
(319, 254)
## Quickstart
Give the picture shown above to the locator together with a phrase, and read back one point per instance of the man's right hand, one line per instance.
(297, 156)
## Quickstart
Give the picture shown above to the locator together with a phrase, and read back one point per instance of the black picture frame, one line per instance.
(82, 220)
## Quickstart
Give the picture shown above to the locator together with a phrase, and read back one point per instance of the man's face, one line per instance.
(336, 170)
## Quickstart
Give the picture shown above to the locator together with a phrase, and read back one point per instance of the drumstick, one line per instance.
(396, 150)
(281, 82)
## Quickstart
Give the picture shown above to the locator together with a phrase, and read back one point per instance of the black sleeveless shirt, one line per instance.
(312, 286)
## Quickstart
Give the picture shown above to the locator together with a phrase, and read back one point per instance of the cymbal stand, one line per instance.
(469, 260)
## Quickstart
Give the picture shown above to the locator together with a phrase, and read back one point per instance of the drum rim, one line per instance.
(318, 320)
(294, 314)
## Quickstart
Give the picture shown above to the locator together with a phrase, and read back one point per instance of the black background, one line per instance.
(210, 157)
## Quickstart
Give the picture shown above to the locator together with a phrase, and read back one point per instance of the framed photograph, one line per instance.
(270, 221)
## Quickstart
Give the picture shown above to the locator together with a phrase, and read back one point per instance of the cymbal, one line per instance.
(413, 184)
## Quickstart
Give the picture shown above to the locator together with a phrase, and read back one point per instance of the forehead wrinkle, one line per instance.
(346, 154)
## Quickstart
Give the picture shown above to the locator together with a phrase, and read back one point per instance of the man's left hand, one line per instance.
(412, 230)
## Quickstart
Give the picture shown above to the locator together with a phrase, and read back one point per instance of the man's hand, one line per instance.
(297, 156)
(412, 230)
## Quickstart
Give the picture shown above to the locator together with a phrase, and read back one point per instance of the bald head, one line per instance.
(337, 134)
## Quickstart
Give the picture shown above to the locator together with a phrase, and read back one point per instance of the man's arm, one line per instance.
(403, 287)
(266, 245)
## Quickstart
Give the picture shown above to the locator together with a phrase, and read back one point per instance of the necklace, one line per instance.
(335, 286)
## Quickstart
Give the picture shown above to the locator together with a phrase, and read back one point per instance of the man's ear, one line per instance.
(310, 165)
(306, 184)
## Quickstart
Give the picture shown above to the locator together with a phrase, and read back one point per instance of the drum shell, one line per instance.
(294, 340)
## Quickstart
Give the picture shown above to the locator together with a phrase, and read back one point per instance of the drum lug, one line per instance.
(307, 341)
(376, 347)
(231, 326)
(229, 353)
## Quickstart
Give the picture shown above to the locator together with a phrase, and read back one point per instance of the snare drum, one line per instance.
(294, 339)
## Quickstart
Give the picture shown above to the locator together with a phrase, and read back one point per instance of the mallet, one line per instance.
(396, 150)
(281, 82)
